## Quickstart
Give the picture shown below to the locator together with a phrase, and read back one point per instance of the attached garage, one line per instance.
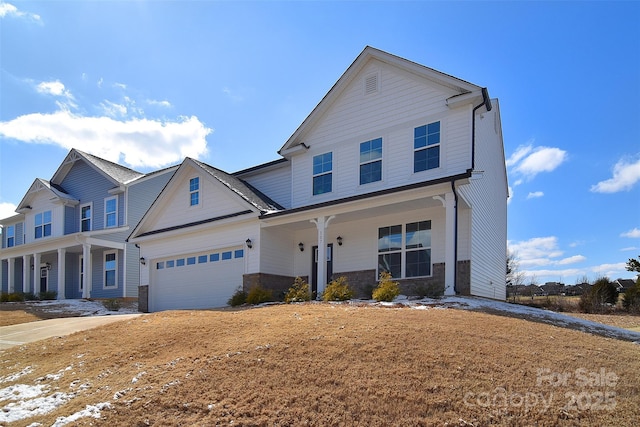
(192, 281)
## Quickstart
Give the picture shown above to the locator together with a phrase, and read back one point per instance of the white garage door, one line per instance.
(202, 280)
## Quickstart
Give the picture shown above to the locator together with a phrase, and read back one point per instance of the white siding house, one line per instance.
(399, 168)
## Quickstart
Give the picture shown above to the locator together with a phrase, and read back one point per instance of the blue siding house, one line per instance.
(69, 233)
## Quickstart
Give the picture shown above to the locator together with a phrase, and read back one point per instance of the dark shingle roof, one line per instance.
(118, 172)
(243, 189)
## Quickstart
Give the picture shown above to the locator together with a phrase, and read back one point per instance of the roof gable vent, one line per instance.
(371, 84)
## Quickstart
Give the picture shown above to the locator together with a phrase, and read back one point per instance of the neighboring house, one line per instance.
(399, 168)
(553, 288)
(622, 285)
(577, 289)
(69, 235)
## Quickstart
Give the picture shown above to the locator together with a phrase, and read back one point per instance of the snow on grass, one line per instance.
(26, 401)
(13, 377)
(92, 411)
(82, 306)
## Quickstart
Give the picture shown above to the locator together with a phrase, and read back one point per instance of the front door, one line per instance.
(44, 275)
(314, 273)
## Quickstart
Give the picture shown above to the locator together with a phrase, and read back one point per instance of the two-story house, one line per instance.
(69, 234)
(399, 168)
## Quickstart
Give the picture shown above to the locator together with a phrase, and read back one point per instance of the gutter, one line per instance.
(455, 237)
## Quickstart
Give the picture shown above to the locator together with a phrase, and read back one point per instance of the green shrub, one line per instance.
(631, 298)
(239, 297)
(46, 295)
(258, 295)
(387, 289)
(600, 297)
(298, 292)
(338, 290)
(112, 304)
(30, 296)
(4, 297)
(16, 297)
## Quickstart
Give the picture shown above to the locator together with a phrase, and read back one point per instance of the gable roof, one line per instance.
(457, 85)
(114, 172)
(40, 184)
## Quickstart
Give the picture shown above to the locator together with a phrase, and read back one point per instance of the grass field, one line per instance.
(323, 364)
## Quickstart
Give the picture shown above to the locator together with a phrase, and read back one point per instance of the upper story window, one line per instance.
(322, 173)
(426, 145)
(42, 225)
(194, 191)
(11, 235)
(111, 212)
(85, 217)
(371, 161)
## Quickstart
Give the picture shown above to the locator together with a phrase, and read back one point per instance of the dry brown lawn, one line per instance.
(322, 364)
(625, 321)
(15, 317)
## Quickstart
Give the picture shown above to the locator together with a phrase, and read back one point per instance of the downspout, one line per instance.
(455, 237)
(486, 101)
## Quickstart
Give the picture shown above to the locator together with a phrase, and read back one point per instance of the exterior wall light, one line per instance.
(301, 246)
(48, 266)
(143, 261)
(339, 239)
(249, 243)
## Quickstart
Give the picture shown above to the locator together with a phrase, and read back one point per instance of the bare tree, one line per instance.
(515, 277)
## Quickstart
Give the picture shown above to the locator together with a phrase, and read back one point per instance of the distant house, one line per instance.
(553, 288)
(69, 233)
(577, 289)
(622, 285)
(399, 168)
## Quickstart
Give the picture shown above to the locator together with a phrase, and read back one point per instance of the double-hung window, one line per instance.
(42, 225)
(322, 173)
(85, 217)
(11, 236)
(194, 191)
(111, 212)
(405, 251)
(371, 161)
(426, 146)
(110, 269)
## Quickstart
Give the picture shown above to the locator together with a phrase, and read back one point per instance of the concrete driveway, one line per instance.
(23, 333)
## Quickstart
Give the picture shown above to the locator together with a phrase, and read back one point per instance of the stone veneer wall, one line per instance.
(464, 277)
(278, 284)
(143, 299)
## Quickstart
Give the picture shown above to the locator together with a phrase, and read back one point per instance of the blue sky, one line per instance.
(146, 83)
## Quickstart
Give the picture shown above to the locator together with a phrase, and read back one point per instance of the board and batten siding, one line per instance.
(488, 196)
(402, 103)
(275, 183)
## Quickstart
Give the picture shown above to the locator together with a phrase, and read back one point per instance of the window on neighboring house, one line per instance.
(110, 270)
(42, 225)
(426, 145)
(194, 191)
(11, 236)
(322, 173)
(111, 212)
(371, 161)
(85, 218)
(405, 251)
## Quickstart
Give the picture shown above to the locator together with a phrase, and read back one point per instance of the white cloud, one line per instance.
(612, 271)
(634, 233)
(99, 82)
(142, 142)
(571, 260)
(112, 109)
(541, 159)
(518, 155)
(7, 209)
(535, 195)
(52, 88)
(165, 104)
(57, 89)
(629, 248)
(119, 85)
(9, 10)
(536, 248)
(626, 173)
(510, 189)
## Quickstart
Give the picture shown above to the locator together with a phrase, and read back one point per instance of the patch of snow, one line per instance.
(26, 407)
(22, 391)
(92, 411)
(82, 306)
(137, 377)
(17, 375)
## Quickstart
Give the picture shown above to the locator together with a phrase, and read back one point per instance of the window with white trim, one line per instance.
(111, 212)
(426, 146)
(110, 269)
(405, 251)
(371, 161)
(322, 173)
(42, 225)
(11, 235)
(194, 191)
(85, 217)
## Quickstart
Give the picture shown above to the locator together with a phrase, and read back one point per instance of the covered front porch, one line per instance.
(59, 265)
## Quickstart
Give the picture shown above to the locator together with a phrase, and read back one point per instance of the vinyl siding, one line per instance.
(403, 102)
(488, 197)
(275, 183)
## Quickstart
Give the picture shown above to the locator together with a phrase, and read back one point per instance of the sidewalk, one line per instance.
(23, 333)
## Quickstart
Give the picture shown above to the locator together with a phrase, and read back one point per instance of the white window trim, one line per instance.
(330, 172)
(42, 225)
(105, 212)
(441, 162)
(90, 216)
(199, 191)
(403, 253)
(381, 160)
(9, 237)
(104, 270)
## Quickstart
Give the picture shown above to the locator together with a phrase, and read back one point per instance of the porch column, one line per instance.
(1, 271)
(86, 268)
(36, 272)
(11, 285)
(449, 204)
(62, 256)
(321, 224)
(26, 269)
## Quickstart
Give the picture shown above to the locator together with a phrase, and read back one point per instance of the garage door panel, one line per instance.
(200, 285)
